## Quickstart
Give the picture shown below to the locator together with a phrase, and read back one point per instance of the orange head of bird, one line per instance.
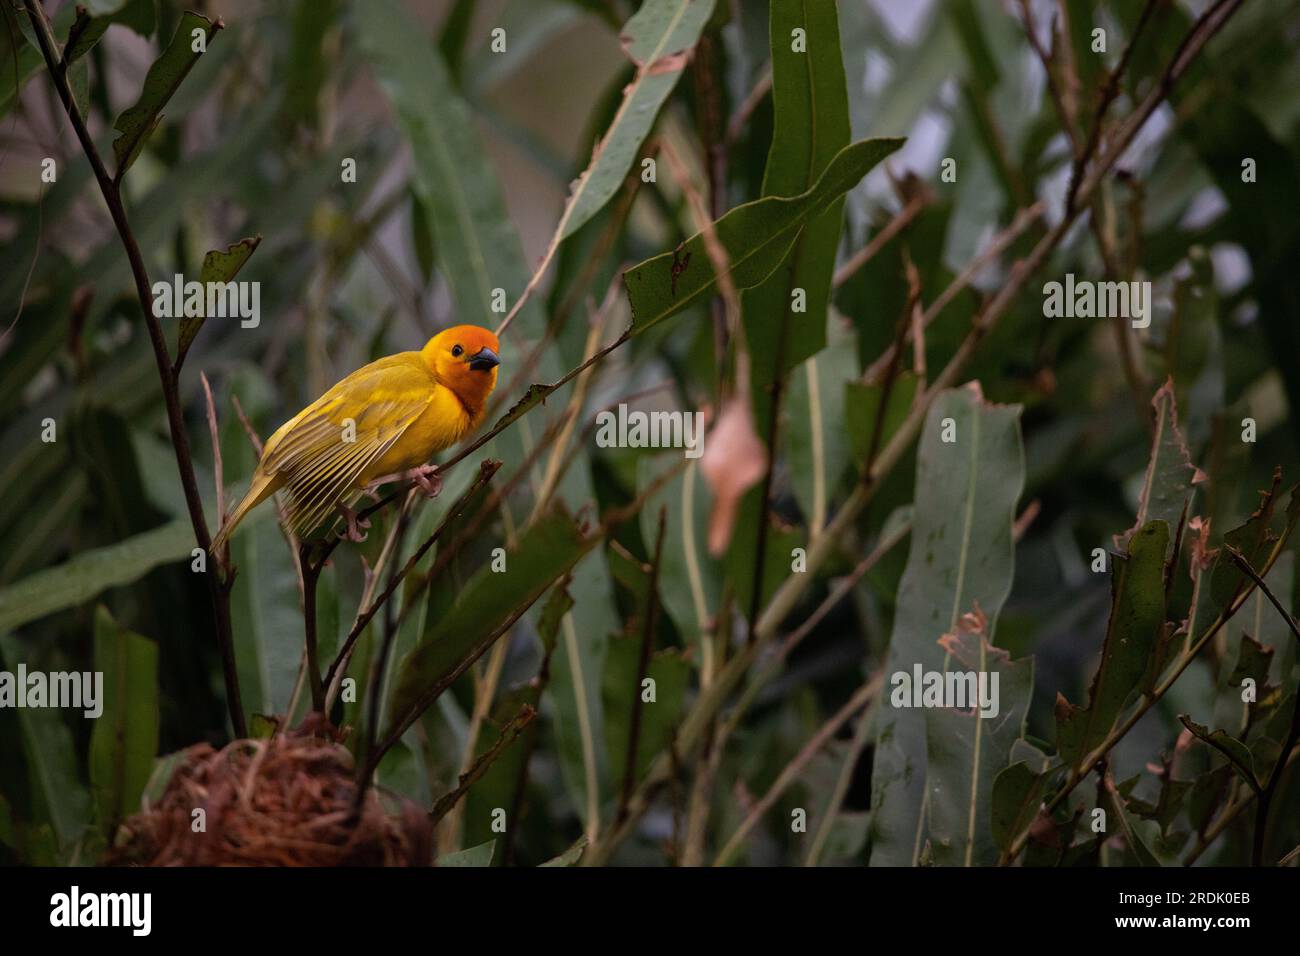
(465, 358)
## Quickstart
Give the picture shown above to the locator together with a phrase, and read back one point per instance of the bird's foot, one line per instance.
(355, 524)
(426, 476)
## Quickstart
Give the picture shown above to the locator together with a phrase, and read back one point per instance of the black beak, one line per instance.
(484, 360)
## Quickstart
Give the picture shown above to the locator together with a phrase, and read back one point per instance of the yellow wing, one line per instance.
(322, 452)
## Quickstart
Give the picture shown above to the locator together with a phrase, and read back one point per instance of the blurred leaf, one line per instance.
(480, 855)
(422, 237)
(455, 31)
(480, 252)
(138, 15)
(1224, 138)
(218, 266)
(862, 411)
(1137, 616)
(86, 575)
(452, 176)
(690, 584)
(961, 554)
(58, 795)
(309, 63)
(533, 26)
(20, 55)
(756, 236)
(125, 739)
(818, 446)
(162, 80)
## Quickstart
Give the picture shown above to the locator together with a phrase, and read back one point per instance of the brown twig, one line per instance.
(792, 770)
(1269, 788)
(485, 760)
(888, 231)
(643, 666)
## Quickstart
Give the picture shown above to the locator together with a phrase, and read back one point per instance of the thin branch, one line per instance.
(999, 244)
(1063, 111)
(1108, 94)
(888, 231)
(643, 666)
(753, 99)
(792, 770)
(487, 469)
(1229, 814)
(1293, 735)
(480, 766)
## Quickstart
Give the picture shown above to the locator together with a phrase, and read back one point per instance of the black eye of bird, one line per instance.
(457, 351)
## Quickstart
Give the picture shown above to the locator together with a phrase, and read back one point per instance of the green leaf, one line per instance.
(488, 604)
(1255, 540)
(757, 237)
(690, 586)
(534, 26)
(1167, 483)
(160, 83)
(1262, 647)
(811, 125)
(658, 39)
(58, 795)
(818, 443)
(480, 855)
(1016, 798)
(88, 574)
(218, 266)
(862, 411)
(961, 554)
(125, 739)
(138, 15)
(1137, 617)
(1143, 836)
(1236, 752)
(659, 718)
(966, 748)
(309, 59)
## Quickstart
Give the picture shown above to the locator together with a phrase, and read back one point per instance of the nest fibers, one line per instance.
(284, 801)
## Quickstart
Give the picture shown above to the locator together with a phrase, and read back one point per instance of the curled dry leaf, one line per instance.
(734, 461)
(1203, 555)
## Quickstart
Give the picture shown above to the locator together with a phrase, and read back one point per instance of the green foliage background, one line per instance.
(465, 161)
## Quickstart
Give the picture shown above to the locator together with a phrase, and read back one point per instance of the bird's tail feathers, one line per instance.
(258, 491)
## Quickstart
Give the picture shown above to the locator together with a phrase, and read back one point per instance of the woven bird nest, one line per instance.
(284, 801)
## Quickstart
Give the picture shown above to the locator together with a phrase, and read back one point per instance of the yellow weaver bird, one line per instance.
(382, 423)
